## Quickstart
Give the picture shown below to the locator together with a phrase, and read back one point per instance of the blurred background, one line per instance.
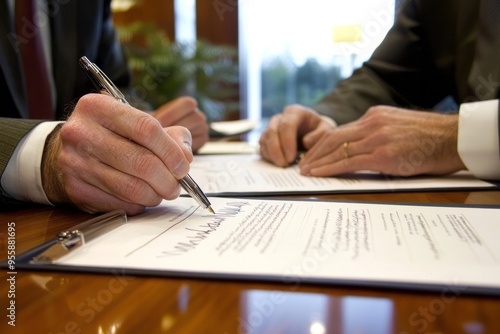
(247, 59)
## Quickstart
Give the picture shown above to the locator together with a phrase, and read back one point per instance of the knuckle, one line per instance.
(146, 127)
(377, 112)
(202, 118)
(174, 157)
(290, 108)
(144, 164)
(294, 108)
(173, 188)
(134, 190)
(373, 110)
(267, 136)
(70, 132)
(87, 100)
(191, 102)
(188, 101)
(91, 104)
(275, 119)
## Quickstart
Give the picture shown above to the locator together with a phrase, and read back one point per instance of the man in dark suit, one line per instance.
(379, 118)
(106, 155)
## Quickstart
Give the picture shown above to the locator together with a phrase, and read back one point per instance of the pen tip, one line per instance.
(211, 210)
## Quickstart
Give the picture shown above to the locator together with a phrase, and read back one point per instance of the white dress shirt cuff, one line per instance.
(478, 138)
(22, 178)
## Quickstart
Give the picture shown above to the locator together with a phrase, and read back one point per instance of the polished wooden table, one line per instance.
(61, 302)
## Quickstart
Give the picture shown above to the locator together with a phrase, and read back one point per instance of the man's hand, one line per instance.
(298, 127)
(389, 140)
(183, 111)
(109, 155)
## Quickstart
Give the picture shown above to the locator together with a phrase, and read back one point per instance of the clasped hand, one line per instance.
(389, 140)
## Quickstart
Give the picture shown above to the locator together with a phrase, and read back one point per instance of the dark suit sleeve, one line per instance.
(403, 71)
(11, 132)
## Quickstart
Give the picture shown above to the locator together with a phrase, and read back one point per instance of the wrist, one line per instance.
(52, 178)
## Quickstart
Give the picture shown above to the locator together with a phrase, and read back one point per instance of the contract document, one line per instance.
(301, 241)
(250, 175)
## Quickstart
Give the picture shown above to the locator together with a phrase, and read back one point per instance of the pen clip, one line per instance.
(67, 241)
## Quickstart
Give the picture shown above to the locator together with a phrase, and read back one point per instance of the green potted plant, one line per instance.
(165, 69)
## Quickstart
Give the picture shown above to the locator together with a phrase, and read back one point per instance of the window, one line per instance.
(296, 51)
(185, 20)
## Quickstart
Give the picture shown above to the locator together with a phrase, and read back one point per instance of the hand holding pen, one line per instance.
(108, 156)
(103, 83)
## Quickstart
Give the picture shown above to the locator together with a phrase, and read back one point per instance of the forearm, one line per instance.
(355, 95)
(405, 70)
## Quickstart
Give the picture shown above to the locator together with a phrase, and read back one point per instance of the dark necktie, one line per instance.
(485, 75)
(38, 89)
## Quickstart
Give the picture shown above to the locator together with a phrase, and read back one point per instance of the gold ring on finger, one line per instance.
(346, 150)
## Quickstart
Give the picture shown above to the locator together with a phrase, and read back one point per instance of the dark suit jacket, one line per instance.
(425, 57)
(77, 28)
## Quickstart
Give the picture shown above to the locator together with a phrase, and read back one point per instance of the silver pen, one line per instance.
(102, 82)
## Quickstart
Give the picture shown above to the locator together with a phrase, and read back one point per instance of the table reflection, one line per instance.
(299, 312)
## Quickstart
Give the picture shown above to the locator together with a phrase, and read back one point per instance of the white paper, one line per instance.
(249, 174)
(228, 147)
(232, 128)
(296, 241)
